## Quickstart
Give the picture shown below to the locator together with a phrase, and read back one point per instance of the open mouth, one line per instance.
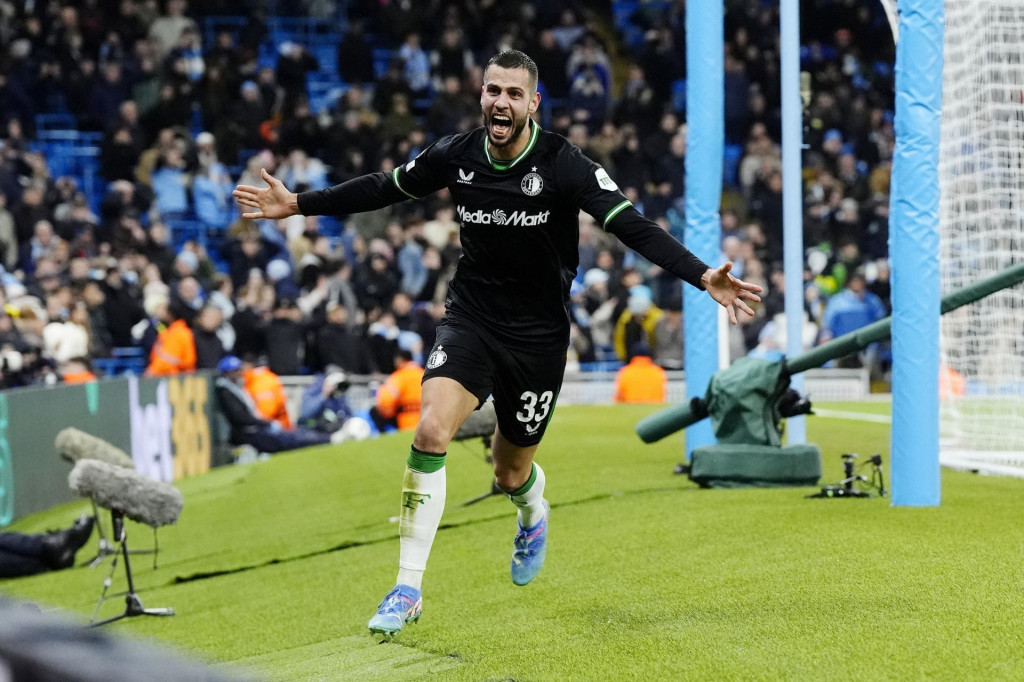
(501, 125)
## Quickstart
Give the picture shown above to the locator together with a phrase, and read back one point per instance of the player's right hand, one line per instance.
(272, 202)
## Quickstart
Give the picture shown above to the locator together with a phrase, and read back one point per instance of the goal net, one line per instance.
(981, 171)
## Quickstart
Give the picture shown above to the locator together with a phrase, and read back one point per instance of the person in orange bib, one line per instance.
(641, 381)
(398, 398)
(174, 351)
(267, 392)
(77, 371)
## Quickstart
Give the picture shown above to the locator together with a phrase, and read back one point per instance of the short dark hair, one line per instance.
(514, 59)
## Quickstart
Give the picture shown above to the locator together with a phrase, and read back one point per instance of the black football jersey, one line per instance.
(519, 229)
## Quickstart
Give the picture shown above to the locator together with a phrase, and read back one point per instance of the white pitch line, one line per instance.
(853, 416)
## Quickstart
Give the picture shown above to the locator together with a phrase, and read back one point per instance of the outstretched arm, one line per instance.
(598, 195)
(422, 176)
(366, 193)
(650, 241)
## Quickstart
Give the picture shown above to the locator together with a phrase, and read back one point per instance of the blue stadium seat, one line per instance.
(381, 58)
(122, 360)
(215, 24)
(330, 226)
(679, 96)
(731, 164)
(622, 10)
(48, 124)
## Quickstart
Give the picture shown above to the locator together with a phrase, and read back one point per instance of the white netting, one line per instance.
(981, 170)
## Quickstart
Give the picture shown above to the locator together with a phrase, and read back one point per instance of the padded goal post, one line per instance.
(981, 231)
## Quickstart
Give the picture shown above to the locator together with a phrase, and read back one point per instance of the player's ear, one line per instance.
(534, 102)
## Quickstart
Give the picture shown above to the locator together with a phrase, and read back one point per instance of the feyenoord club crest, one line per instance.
(437, 358)
(532, 184)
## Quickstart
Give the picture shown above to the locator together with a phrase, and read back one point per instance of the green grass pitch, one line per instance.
(276, 567)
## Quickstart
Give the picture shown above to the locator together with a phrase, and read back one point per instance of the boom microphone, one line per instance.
(74, 445)
(479, 424)
(141, 499)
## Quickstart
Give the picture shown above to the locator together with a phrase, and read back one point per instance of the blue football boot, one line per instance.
(531, 547)
(402, 605)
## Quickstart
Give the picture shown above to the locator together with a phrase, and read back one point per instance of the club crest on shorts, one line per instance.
(437, 358)
(532, 184)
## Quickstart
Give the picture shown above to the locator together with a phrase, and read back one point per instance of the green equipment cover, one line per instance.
(742, 401)
(755, 466)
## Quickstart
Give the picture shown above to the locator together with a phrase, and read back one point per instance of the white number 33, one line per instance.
(535, 408)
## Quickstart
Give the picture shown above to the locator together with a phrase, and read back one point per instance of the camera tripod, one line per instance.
(851, 478)
(133, 605)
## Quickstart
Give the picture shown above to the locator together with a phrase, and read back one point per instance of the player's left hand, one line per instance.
(730, 292)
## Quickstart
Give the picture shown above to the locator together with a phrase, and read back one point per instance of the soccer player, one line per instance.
(518, 191)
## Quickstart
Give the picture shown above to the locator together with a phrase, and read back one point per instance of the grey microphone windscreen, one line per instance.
(141, 499)
(479, 424)
(73, 445)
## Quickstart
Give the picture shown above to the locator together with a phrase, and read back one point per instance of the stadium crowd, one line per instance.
(180, 121)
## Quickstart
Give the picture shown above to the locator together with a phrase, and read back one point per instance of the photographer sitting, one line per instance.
(248, 427)
(325, 406)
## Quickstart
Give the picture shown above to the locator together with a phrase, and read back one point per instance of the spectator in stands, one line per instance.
(641, 381)
(355, 55)
(211, 192)
(340, 344)
(245, 116)
(550, 59)
(375, 282)
(299, 167)
(8, 237)
(44, 244)
(108, 92)
(120, 154)
(187, 55)
(393, 83)
(637, 322)
(67, 338)
(246, 253)
(285, 338)
(671, 167)
(157, 316)
(171, 183)
(398, 398)
(187, 296)
(293, 64)
(850, 309)
(166, 30)
(668, 339)
(252, 317)
(122, 307)
(247, 427)
(205, 330)
(416, 64)
(174, 350)
(101, 341)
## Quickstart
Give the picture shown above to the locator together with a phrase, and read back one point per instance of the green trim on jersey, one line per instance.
(425, 462)
(616, 211)
(394, 177)
(526, 486)
(497, 165)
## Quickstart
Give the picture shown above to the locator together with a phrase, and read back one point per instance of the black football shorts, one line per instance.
(525, 386)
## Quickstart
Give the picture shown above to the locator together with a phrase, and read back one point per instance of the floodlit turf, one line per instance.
(277, 566)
